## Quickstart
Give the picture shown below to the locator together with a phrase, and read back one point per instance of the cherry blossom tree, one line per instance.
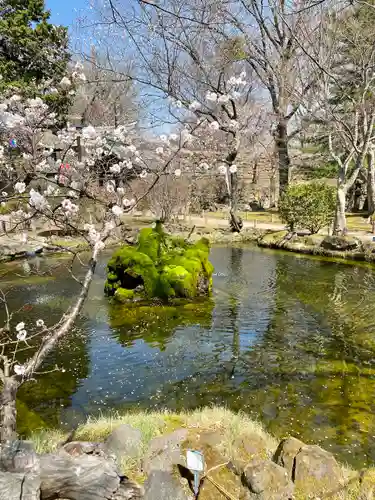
(57, 192)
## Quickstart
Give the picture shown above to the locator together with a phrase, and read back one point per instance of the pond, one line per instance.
(289, 340)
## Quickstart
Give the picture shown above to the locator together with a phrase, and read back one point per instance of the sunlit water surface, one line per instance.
(289, 340)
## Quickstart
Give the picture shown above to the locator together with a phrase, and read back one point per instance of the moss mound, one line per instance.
(160, 266)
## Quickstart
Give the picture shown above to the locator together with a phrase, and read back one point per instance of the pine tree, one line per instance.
(32, 50)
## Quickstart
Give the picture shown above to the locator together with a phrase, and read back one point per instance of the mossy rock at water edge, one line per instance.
(159, 266)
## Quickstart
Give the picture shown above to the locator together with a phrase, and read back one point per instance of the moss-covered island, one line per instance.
(159, 266)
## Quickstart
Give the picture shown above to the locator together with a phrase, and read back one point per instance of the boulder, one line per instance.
(316, 471)
(18, 456)
(164, 452)
(341, 243)
(78, 478)
(123, 441)
(19, 486)
(267, 481)
(251, 445)
(211, 438)
(161, 485)
(286, 453)
(76, 448)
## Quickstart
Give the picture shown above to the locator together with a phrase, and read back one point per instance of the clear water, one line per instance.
(289, 340)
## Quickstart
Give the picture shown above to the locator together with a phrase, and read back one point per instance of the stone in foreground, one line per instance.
(316, 471)
(19, 486)
(164, 452)
(267, 481)
(286, 453)
(123, 441)
(161, 485)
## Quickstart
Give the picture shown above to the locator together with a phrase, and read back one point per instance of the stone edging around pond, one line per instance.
(342, 247)
(348, 248)
(89, 471)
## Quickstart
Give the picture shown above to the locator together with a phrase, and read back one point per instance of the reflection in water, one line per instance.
(289, 340)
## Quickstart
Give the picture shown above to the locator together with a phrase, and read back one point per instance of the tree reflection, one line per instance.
(156, 324)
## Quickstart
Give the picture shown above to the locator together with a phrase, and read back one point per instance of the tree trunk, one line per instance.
(340, 217)
(371, 181)
(281, 138)
(8, 412)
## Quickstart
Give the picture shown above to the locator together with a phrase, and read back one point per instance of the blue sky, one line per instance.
(65, 12)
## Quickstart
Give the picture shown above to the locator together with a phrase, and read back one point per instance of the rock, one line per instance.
(123, 441)
(165, 451)
(161, 485)
(252, 445)
(18, 456)
(286, 453)
(85, 477)
(211, 438)
(19, 486)
(316, 471)
(129, 491)
(340, 243)
(267, 481)
(76, 448)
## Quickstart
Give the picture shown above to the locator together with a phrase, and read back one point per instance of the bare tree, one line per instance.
(198, 70)
(347, 105)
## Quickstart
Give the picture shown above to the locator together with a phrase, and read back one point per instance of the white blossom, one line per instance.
(65, 82)
(22, 335)
(214, 125)
(117, 211)
(143, 174)
(178, 104)
(222, 169)
(4, 194)
(115, 169)
(173, 137)
(234, 124)
(204, 166)
(20, 187)
(163, 138)
(233, 169)
(223, 98)
(15, 98)
(39, 323)
(110, 187)
(19, 369)
(20, 326)
(120, 190)
(211, 96)
(159, 150)
(69, 207)
(126, 202)
(89, 132)
(194, 105)
(37, 200)
(177, 172)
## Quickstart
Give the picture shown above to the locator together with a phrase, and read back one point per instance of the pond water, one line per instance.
(289, 340)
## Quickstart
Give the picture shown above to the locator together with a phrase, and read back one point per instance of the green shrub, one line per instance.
(308, 206)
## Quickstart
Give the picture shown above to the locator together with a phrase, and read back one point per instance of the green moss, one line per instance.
(165, 266)
(180, 280)
(123, 295)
